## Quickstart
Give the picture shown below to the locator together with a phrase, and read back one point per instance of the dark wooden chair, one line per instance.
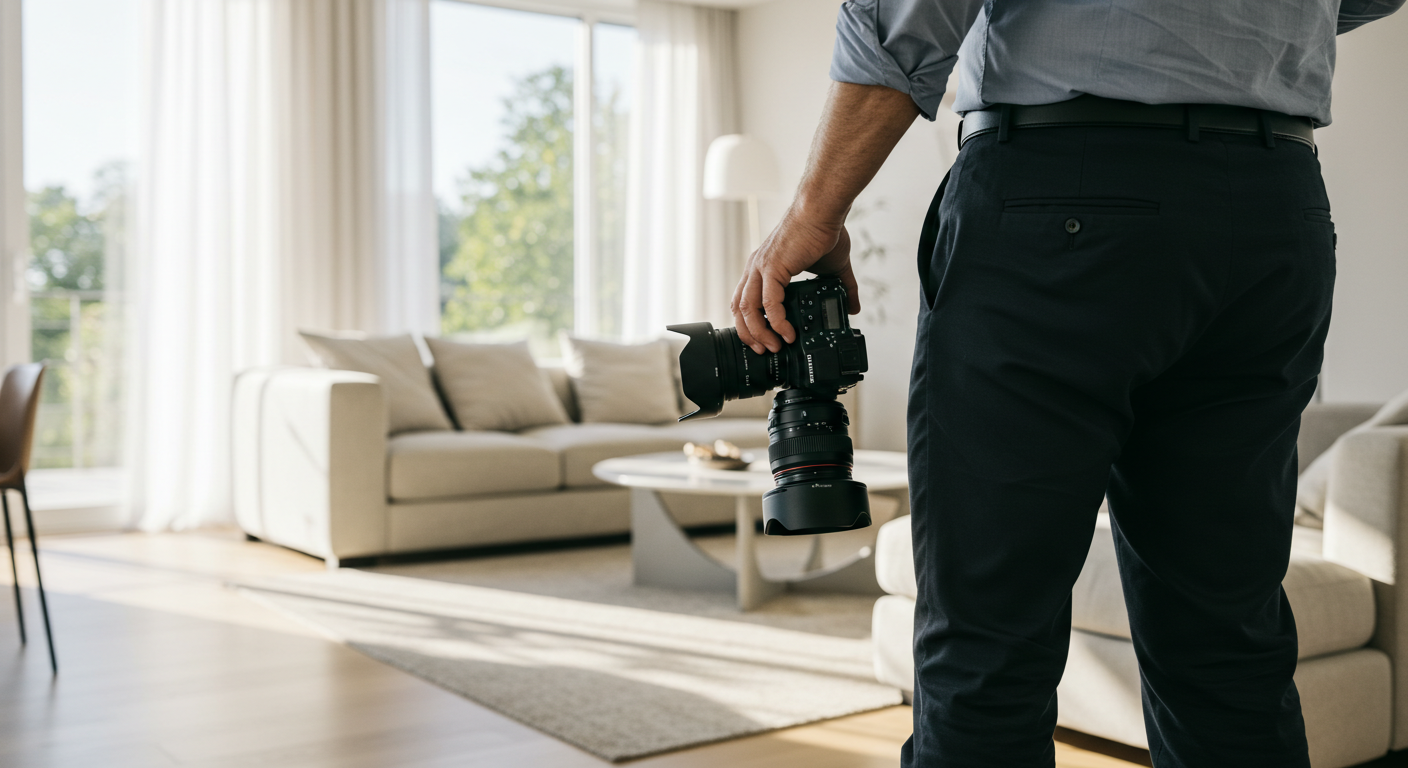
(19, 404)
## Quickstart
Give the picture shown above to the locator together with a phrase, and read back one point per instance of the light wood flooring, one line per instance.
(163, 665)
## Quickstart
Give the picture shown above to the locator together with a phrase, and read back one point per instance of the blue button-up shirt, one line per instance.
(1268, 54)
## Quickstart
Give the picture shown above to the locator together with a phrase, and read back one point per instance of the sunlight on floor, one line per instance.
(188, 575)
(182, 573)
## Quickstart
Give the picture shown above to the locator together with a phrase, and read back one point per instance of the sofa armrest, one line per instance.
(310, 460)
(1366, 530)
(894, 558)
(1321, 424)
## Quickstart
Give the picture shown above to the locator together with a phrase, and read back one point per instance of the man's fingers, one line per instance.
(774, 289)
(735, 308)
(740, 314)
(753, 315)
(848, 281)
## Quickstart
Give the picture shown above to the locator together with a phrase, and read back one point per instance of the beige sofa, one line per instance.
(315, 470)
(1351, 618)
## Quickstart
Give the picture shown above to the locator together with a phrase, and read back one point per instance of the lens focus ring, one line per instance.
(794, 446)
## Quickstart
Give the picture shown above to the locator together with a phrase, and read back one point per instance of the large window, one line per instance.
(531, 231)
(81, 60)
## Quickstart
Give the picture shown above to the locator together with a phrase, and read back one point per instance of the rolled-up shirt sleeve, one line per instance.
(1356, 13)
(908, 45)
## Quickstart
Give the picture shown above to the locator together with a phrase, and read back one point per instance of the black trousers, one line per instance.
(1121, 312)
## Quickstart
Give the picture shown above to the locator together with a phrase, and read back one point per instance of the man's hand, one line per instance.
(794, 247)
(859, 127)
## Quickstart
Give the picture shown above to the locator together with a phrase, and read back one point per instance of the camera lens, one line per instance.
(743, 373)
(811, 456)
(716, 366)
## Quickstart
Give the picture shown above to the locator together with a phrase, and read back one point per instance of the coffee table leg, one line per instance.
(663, 556)
(813, 562)
(753, 589)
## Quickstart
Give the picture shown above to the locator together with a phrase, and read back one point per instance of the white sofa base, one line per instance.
(517, 518)
(1345, 697)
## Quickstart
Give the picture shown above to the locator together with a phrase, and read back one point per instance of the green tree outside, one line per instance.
(512, 267)
(73, 244)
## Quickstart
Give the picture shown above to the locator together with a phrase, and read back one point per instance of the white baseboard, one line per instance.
(78, 520)
(74, 500)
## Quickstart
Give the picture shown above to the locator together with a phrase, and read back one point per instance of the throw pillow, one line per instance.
(1313, 484)
(495, 386)
(622, 383)
(410, 396)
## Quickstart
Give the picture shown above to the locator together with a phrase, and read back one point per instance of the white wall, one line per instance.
(784, 55)
(784, 50)
(1364, 154)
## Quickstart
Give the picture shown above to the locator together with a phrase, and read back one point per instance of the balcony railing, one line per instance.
(78, 335)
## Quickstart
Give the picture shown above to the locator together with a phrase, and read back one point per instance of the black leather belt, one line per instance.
(1094, 111)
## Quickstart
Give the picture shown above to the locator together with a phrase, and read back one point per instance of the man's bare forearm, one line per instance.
(860, 126)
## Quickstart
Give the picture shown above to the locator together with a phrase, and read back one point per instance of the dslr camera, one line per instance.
(808, 449)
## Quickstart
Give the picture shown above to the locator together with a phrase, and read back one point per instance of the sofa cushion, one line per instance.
(438, 465)
(581, 446)
(1333, 606)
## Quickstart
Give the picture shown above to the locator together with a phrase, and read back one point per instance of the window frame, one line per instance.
(621, 12)
(14, 218)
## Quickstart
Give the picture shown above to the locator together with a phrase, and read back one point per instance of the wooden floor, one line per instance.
(161, 665)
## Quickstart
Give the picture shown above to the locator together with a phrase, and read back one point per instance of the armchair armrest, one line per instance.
(1366, 530)
(310, 460)
(1323, 423)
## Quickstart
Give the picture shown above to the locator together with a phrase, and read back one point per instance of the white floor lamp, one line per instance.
(739, 167)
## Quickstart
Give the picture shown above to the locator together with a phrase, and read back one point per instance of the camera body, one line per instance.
(829, 355)
(827, 358)
(809, 450)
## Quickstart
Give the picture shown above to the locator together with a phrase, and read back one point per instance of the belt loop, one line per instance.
(1004, 122)
(1266, 135)
(1190, 117)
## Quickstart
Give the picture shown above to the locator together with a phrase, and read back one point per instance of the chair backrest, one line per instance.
(19, 404)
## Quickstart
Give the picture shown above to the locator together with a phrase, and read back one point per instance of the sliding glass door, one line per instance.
(531, 196)
(80, 76)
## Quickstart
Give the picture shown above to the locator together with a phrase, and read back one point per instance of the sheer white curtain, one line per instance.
(683, 253)
(284, 184)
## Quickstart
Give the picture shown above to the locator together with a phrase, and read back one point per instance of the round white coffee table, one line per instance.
(663, 555)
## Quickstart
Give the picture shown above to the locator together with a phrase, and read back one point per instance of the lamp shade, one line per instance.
(738, 167)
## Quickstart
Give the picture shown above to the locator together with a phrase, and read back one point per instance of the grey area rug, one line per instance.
(561, 641)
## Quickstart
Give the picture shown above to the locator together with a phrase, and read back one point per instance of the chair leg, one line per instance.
(14, 567)
(39, 580)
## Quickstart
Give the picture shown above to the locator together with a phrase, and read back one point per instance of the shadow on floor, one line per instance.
(1104, 746)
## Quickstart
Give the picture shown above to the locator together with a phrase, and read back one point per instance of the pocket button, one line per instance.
(1073, 225)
